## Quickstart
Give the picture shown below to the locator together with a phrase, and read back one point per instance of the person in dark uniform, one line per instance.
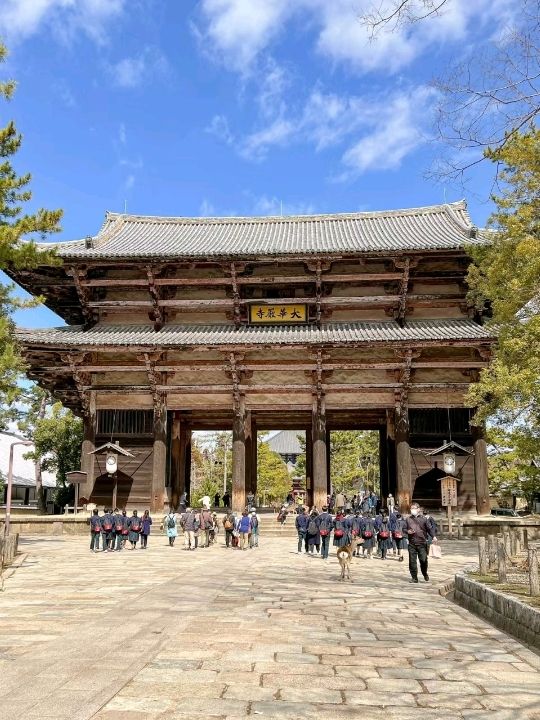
(313, 535)
(226, 499)
(326, 523)
(217, 498)
(384, 536)
(146, 522)
(118, 526)
(302, 521)
(182, 503)
(356, 531)
(125, 528)
(418, 532)
(107, 524)
(398, 527)
(342, 534)
(134, 527)
(95, 531)
(368, 533)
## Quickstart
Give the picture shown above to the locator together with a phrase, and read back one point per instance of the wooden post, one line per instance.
(501, 557)
(328, 458)
(239, 458)
(249, 454)
(534, 579)
(492, 551)
(507, 542)
(320, 480)
(159, 463)
(525, 538)
(176, 460)
(383, 463)
(309, 467)
(187, 461)
(254, 459)
(483, 562)
(89, 445)
(481, 471)
(403, 460)
(514, 540)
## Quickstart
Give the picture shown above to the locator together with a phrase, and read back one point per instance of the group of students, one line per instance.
(388, 532)
(115, 529)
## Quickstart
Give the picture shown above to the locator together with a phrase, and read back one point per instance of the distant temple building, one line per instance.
(287, 445)
(314, 323)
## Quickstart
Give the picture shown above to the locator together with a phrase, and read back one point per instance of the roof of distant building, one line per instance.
(286, 442)
(23, 469)
(435, 227)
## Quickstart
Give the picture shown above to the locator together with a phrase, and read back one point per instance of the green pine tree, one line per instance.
(18, 232)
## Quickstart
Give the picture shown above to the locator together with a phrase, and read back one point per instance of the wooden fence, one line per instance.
(511, 556)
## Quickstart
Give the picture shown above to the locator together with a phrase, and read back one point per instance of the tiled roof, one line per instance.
(435, 227)
(286, 442)
(215, 335)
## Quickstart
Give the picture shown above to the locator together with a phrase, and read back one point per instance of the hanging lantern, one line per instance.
(111, 463)
(449, 463)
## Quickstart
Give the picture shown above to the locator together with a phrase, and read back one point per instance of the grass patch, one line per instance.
(519, 591)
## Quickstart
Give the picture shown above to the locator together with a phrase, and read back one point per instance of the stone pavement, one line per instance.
(267, 633)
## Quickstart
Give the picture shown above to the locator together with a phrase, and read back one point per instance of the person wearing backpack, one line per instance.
(356, 531)
(134, 527)
(169, 523)
(229, 522)
(399, 533)
(368, 534)
(341, 530)
(244, 528)
(146, 523)
(254, 537)
(384, 536)
(107, 523)
(125, 529)
(191, 524)
(313, 535)
(302, 521)
(95, 531)
(118, 526)
(325, 523)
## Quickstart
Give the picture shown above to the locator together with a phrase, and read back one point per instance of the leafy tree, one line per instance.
(18, 230)
(513, 466)
(58, 440)
(507, 271)
(273, 479)
(354, 460)
(33, 407)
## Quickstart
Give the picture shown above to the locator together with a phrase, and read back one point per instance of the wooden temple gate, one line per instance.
(315, 323)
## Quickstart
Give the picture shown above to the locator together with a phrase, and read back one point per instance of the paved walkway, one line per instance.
(266, 633)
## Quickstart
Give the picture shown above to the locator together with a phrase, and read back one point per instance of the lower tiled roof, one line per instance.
(192, 335)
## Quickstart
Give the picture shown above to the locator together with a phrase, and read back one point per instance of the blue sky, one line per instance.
(230, 107)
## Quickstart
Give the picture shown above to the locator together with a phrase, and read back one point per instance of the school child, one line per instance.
(313, 535)
(368, 534)
(125, 528)
(384, 536)
(399, 533)
(146, 522)
(134, 527)
(107, 522)
(95, 531)
(341, 531)
(356, 531)
(118, 526)
(326, 524)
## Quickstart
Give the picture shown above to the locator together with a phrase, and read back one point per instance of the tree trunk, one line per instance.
(40, 493)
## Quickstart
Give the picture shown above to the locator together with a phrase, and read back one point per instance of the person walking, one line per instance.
(384, 536)
(118, 526)
(226, 499)
(326, 523)
(229, 522)
(368, 533)
(206, 526)
(302, 522)
(390, 504)
(313, 536)
(134, 527)
(182, 503)
(146, 523)
(340, 502)
(95, 531)
(356, 531)
(398, 527)
(170, 525)
(190, 524)
(244, 528)
(125, 529)
(217, 498)
(254, 537)
(342, 535)
(418, 532)
(107, 523)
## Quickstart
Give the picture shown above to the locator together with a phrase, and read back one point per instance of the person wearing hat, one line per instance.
(254, 537)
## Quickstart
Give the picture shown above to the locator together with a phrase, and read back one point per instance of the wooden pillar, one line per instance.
(320, 472)
(88, 446)
(176, 452)
(481, 471)
(239, 458)
(403, 460)
(328, 473)
(383, 463)
(159, 464)
(249, 453)
(309, 467)
(186, 464)
(391, 452)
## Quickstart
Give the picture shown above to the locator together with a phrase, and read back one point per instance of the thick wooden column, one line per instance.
(249, 453)
(403, 460)
(88, 446)
(186, 465)
(481, 471)
(175, 460)
(309, 467)
(254, 458)
(159, 463)
(391, 452)
(383, 462)
(239, 458)
(320, 479)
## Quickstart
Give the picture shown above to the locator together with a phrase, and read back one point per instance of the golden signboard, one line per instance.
(277, 314)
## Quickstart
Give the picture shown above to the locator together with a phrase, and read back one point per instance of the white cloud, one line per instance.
(20, 19)
(272, 205)
(206, 209)
(122, 134)
(219, 127)
(130, 72)
(256, 145)
(129, 182)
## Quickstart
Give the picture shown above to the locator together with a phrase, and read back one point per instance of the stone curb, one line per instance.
(506, 612)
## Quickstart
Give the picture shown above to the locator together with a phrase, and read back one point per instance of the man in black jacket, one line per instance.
(418, 532)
